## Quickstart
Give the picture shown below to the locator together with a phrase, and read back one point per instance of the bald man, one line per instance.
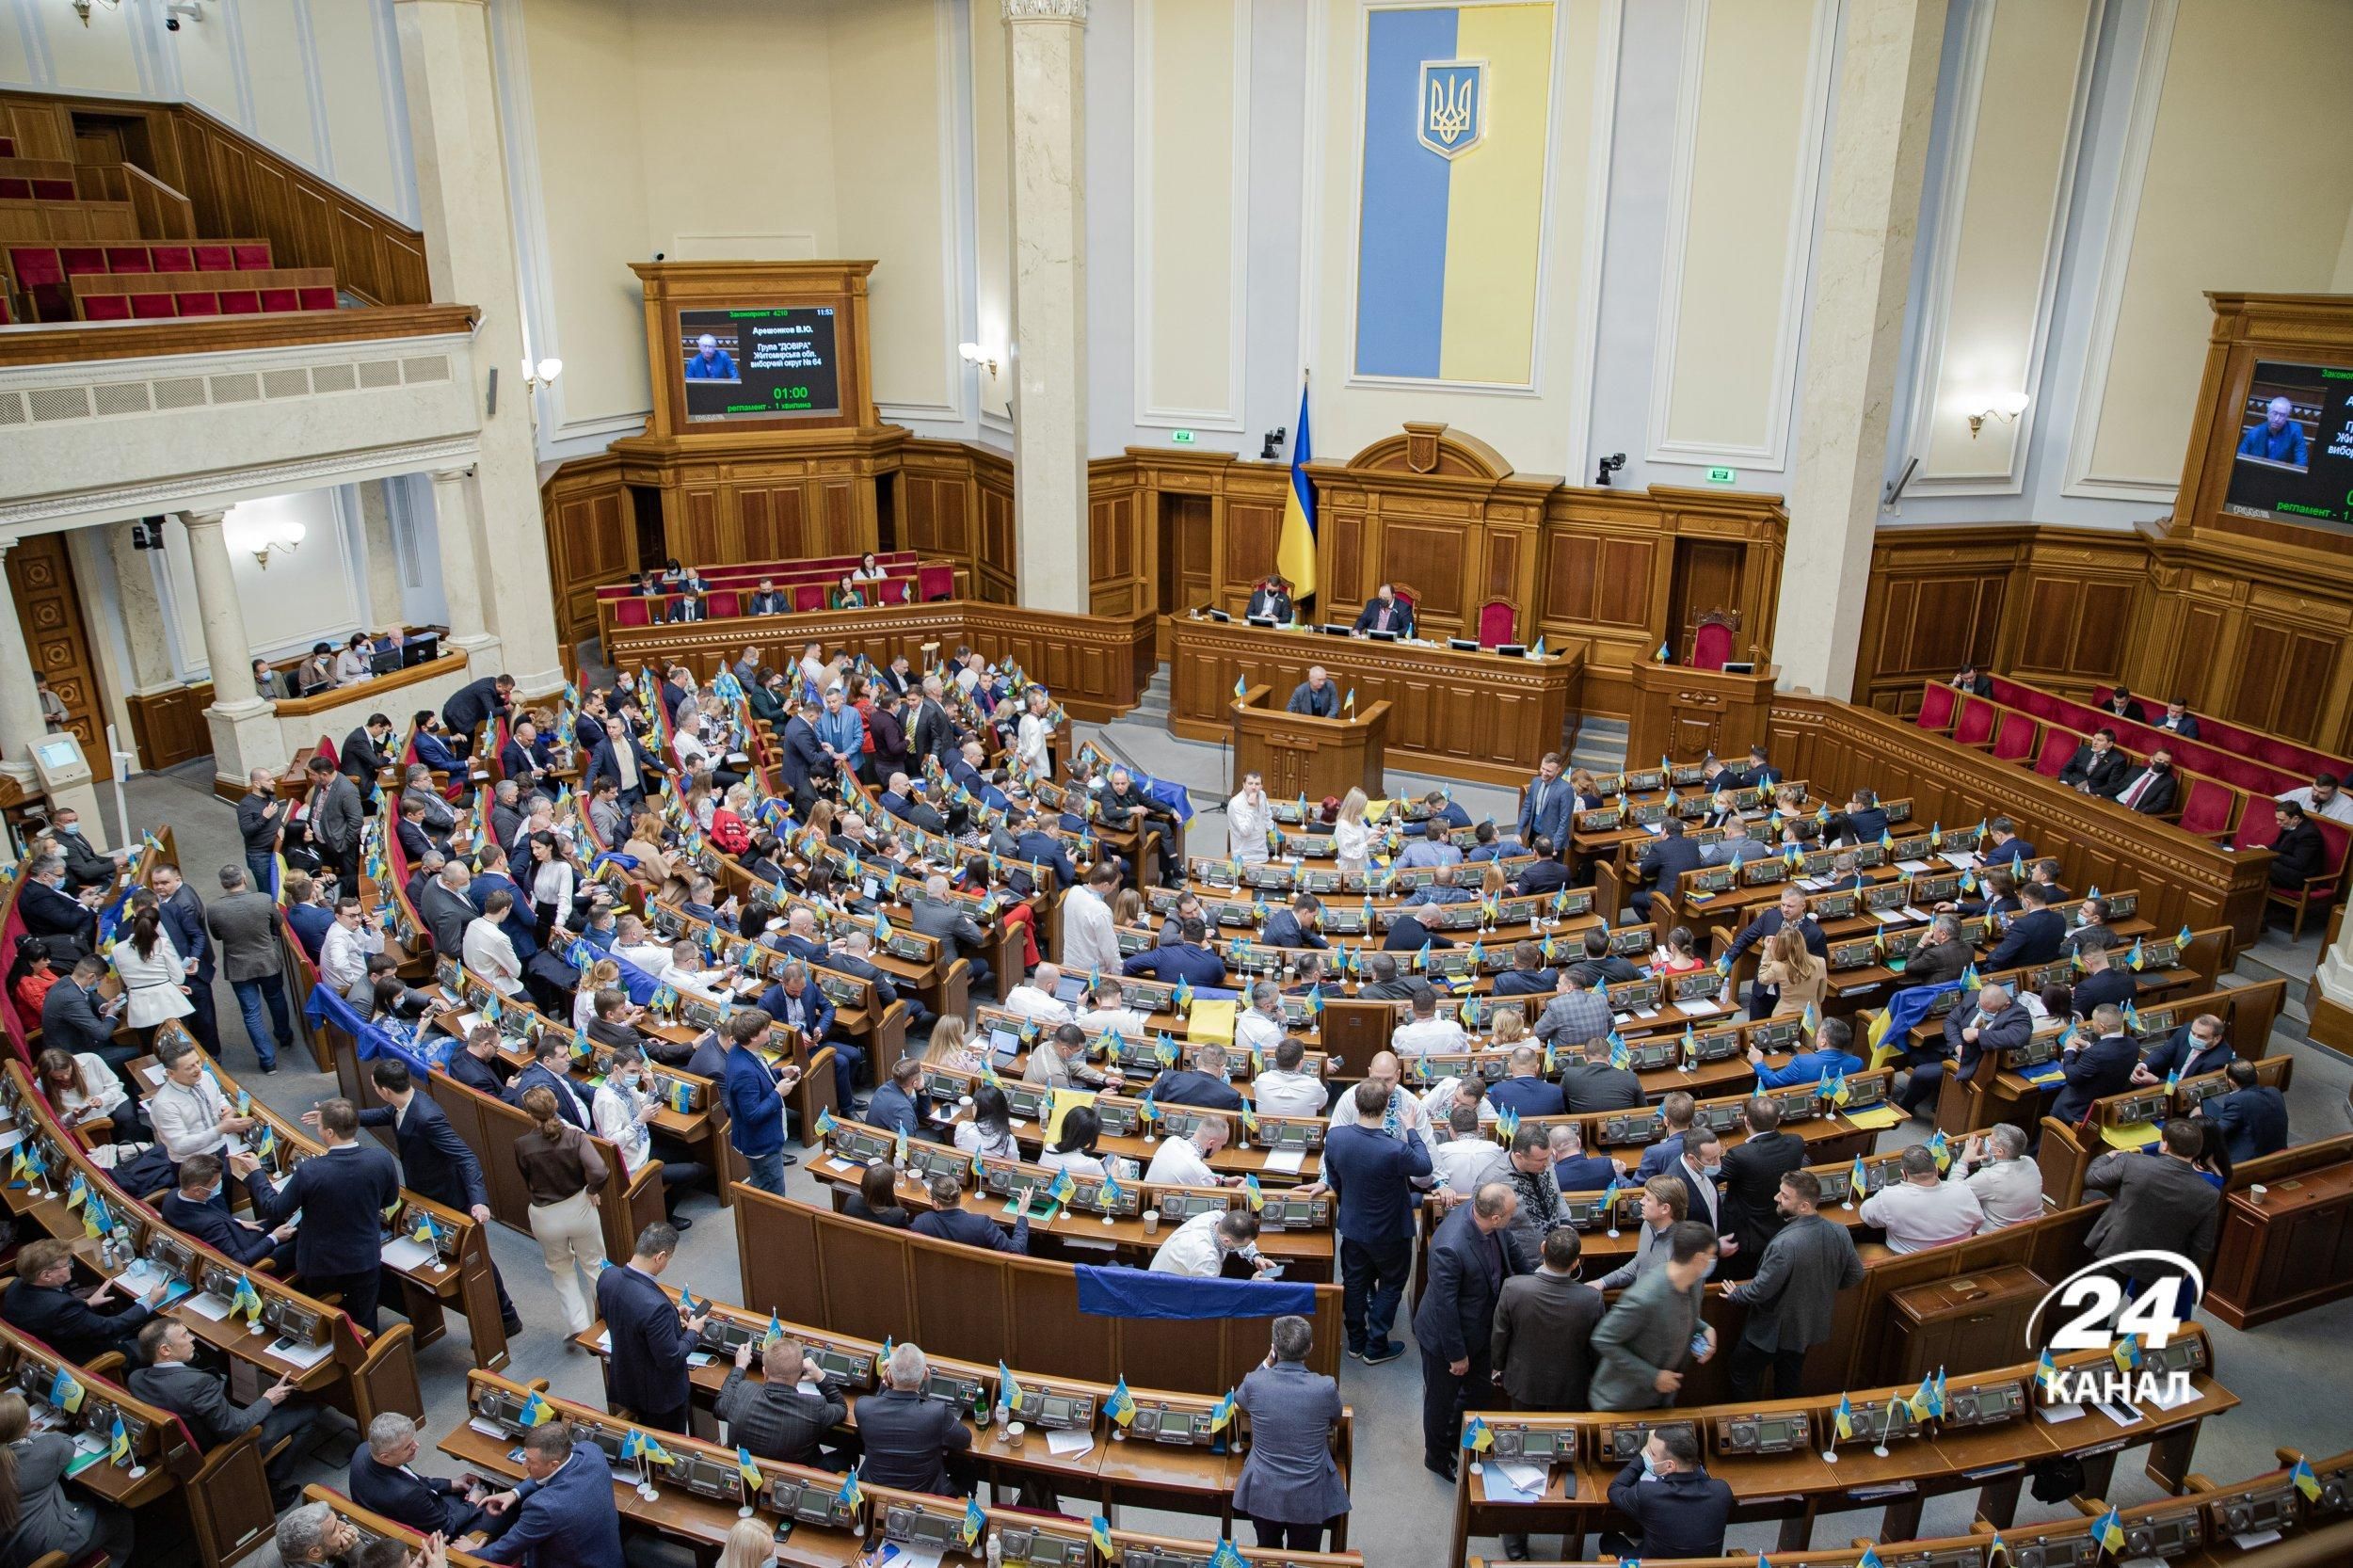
(1315, 696)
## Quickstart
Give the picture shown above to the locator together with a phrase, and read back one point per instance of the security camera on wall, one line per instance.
(148, 534)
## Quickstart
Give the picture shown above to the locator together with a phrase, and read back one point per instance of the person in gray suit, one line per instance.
(1543, 1350)
(937, 915)
(1794, 1293)
(1290, 1485)
(201, 1399)
(244, 923)
(334, 823)
(37, 1515)
(1640, 1347)
(2157, 1199)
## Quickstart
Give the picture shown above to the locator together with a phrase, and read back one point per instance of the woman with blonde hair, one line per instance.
(1492, 882)
(949, 1045)
(602, 974)
(1352, 836)
(565, 1175)
(1127, 907)
(645, 847)
(1510, 1027)
(750, 1542)
(1790, 969)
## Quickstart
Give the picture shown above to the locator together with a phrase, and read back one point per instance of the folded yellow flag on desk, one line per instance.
(1210, 1021)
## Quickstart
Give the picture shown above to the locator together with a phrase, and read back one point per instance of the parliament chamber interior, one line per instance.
(1176, 783)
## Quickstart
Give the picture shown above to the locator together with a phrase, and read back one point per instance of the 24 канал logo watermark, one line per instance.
(2099, 1318)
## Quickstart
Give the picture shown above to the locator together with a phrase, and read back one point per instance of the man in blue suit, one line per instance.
(1526, 1092)
(549, 1055)
(1455, 1322)
(1203, 1084)
(710, 363)
(1663, 862)
(948, 1220)
(651, 1337)
(796, 1001)
(1386, 612)
(1372, 1174)
(1548, 806)
(182, 915)
(2034, 938)
(2197, 1047)
(1528, 976)
(1042, 848)
(1830, 1055)
(194, 1209)
(1789, 909)
(434, 1162)
(384, 1481)
(2102, 1067)
(564, 1515)
(2279, 439)
(1189, 959)
(2253, 1116)
(341, 1196)
(805, 764)
(1295, 927)
(431, 746)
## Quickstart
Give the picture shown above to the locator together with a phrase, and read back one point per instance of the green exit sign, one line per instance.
(1182, 438)
(1723, 475)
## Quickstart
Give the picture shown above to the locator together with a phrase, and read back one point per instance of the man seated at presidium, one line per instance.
(710, 363)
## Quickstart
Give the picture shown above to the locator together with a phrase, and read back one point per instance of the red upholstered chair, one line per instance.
(1711, 641)
(630, 612)
(129, 258)
(327, 749)
(200, 258)
(106, 307)
(281, 299)
(2015, 736)
(251, 258)
(316, 299)
(808, 596)
(723, 602)
(1939, 701)
(2320, 891)
(1496, 619)
(198, 304)
(2059, 746)
(2210, 808)
(146, 307)
(240, 302)
(1975, 727)
(174, 258)
(53, 190)
(935, 582)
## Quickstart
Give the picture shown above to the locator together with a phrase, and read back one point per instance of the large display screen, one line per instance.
(772, 363)
(2294, 459)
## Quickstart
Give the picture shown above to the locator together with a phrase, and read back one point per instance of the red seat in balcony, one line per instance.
(723, 602)
(174, 258)
(935, 582)
(317, 299)
(2210, 807)
(240, 302)
(252, 256)
(1939, 701)
(281, 299)
(631, 612)
(130, 257)
(1976, 726)
(108, 307)
(808, 596)
(2059, 746)
(197, 304)
(2015, 736)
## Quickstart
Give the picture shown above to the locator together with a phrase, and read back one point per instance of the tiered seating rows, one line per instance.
(102, 296)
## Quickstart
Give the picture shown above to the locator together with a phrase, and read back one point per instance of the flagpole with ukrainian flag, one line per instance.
(1295, 546)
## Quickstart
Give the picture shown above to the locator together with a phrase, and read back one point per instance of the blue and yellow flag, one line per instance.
(1223, 1415)
(537, 1412)
(2046, 1372)
(775, 1327)
(1295, 547)
(246, 1300)
(2306, 1483)
(1842, 1419)
(1476, 1437)
(1251, 1193)
(747, 1468)
(825, 1124)
(1063, 1188)
(975, 1520)
(1121, 1406)
(850, 1493)
(2109, 1531)
(1227, 1555)
(1099, 1534)
(119, 1442)
(2125, 1353)
(1009, 1393)
(65, 1393)
(654, 1452)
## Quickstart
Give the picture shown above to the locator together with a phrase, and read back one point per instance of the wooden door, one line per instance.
(40, 578)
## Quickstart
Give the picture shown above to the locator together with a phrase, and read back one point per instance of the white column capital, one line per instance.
(8, 542)
(452, 475)
(194, 520)
(1046, 11)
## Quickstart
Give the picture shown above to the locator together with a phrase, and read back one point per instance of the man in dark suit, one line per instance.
(472, 704)
(1753, 1174)
(1599, 965)
(384, 1479)
(2106, 978)
(428, 742)
(2098, 768)
(1794, 1295)
(2151, 790)
(1986, 1019)
(1974, 680)
(1594, 1084)
(1760, 773)
(1295, 927)
(774, 1417)
(2197, 1047)
(948, 1220)
(476, 1064)
(86, 864)
(75, 1018)
(2126, 706)
(1372, 1176)
(1548, 873)
(1525, 1091)
(260, 818)
(341, 1196)
(1862, 822)
(524, 758)
(909, 1438)
(767, 600)
(1190, 958)
(938, 916)
(50, 911)
(1679, 1508)
(1454, 1324)
(651, 1337)
(1270, 600)
(363, 758)
(550, 1056)
(194, 1209)
(1547, 805)
(2179, 719)
(1790, 909)
(1386, 612)
(2095, 1068)
(904, 801)
(562, 1515)
(445, 910)
(2157, 1200)
(201, 1399)
(41, 1300)
(1668, 858)
(2253, 1116)
(2036, 936)
(2299, 854)
(1541, 1347)
(1528, 976)
(434, 1162)
(1203, 1084)
(805, 765)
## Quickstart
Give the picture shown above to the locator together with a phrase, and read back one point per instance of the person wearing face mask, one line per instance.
(1794, 1296)
(750, 1545)
(85, 865)
(197, 1211)
(1679, 1508)
(1543, 1350)
(2150, 790)
(625, 1111)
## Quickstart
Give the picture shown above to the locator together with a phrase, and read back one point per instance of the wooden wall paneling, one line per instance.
(993, 574)
(40, 127)
(40, 578)
(167, 727)
(1116, 524)
(839, 505)
(586, 511)
(1936, 597)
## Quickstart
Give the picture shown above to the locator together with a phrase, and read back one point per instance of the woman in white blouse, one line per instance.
(154, 977)
(357, 662)
(1037, 728)
(601, 973)
(869, 569)
(624, 1110)
(1074, 1148)
(553, 882)
(82, 1089)
(988, 1132)
(1352, 836)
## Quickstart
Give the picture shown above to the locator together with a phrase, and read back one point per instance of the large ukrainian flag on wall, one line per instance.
(1457, 122)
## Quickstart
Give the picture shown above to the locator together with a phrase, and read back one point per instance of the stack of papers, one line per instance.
(1513, 1483)
(1069, 1444)
(404, 1253)
(1286, 1161)
(300, 1356)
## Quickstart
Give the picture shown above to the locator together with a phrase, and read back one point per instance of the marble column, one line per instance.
(1045, 64)
(244, 725)
(2330, 1004)
(1886, 92)
(456, 490)
(377, 527)
(470, 256)
(20, 724)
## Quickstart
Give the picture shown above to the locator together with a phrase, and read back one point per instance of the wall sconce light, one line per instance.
(281, 534)
(83, 7)
(973, 354)
(542, 374)
(2003, 405)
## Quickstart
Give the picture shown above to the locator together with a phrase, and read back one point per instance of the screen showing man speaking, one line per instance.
(2293, 461)
(759, 365)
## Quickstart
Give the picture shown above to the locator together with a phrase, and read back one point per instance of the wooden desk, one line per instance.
(1466, 716)
(2288, 1250)
(1297, 754)
(1683, 711)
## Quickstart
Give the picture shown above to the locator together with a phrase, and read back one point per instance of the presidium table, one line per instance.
(1457, 713)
